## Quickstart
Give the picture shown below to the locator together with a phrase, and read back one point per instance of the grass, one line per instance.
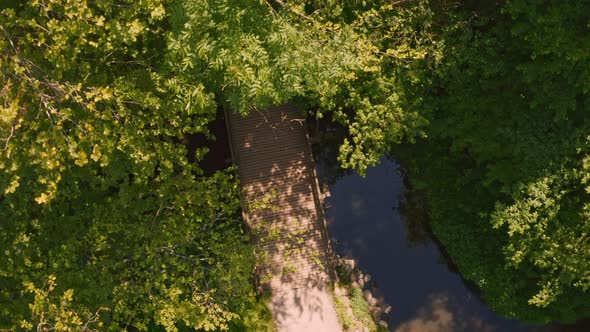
(360, 308)
(343, 275)
(341, 307)
(361, 313)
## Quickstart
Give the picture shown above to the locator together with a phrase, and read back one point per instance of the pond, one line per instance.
(409, 271)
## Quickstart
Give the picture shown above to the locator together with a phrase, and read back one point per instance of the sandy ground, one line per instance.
(305, 309)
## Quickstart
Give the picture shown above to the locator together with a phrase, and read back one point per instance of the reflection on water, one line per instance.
(437, 316)
(365, 222)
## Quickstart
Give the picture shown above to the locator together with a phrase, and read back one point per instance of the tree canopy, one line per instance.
(108, 223)
(100, 206)
(105, 222)
(505, 164)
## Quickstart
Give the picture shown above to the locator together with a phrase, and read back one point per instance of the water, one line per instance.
(365, 223)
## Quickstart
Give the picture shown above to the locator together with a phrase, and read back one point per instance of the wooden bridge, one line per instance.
(281, 201)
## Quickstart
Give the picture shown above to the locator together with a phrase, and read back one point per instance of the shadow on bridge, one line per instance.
(282, 205)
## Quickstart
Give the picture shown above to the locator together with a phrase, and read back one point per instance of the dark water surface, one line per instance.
(365, 223)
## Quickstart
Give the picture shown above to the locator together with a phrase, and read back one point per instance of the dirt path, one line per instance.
(304, 309)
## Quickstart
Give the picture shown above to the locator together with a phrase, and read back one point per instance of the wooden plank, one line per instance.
(271, 150)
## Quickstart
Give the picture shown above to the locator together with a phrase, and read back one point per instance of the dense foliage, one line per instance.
(105, 222)
(505, 165)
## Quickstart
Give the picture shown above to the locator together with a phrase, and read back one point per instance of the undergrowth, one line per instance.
(256, 317)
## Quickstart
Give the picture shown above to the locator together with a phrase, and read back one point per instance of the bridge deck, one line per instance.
(282, 206)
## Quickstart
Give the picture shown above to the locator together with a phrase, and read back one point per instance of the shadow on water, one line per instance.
(366, 221)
